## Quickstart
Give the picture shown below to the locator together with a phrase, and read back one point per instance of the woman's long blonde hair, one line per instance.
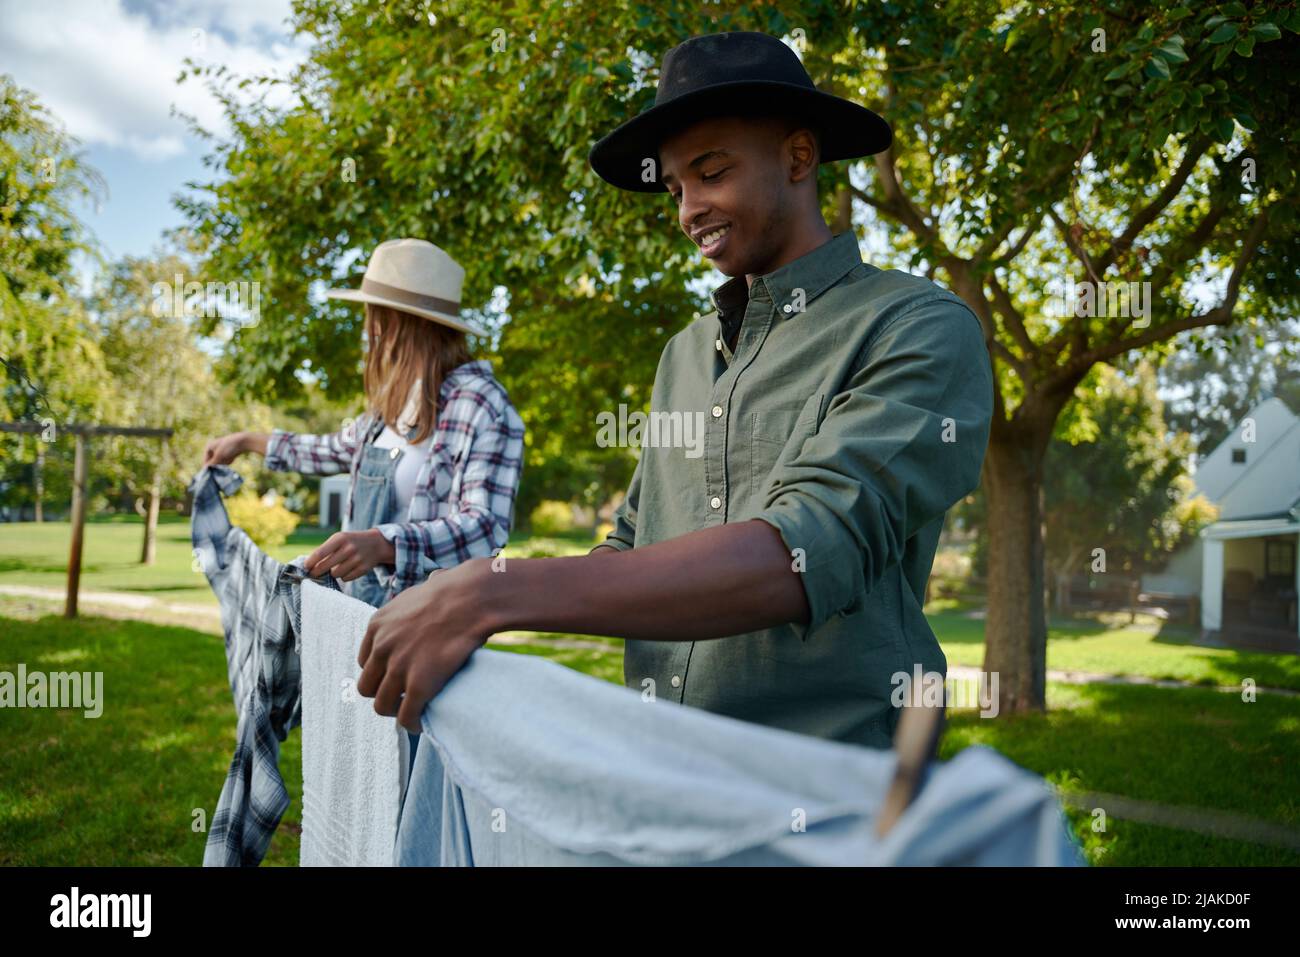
(402, 348)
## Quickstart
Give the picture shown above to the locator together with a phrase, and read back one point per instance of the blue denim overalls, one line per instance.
(374, 502)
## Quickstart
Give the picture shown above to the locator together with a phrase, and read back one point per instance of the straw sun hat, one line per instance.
(415, 276)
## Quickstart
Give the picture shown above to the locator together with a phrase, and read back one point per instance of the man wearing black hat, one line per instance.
(777, 577)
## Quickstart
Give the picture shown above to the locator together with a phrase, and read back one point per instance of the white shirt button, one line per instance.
(717, 344)
(677, 681)
(715, 502)
(717, 411)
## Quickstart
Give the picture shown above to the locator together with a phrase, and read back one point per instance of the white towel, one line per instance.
(350, 760)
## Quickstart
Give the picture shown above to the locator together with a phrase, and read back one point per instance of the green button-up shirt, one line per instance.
(852, 413)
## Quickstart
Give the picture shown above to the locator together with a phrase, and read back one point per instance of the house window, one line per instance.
(1238, 456)
(1279, 559)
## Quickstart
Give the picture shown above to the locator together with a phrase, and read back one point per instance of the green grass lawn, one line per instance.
(123, 788)
(37, 554)
(1183, 747)
(1162, 652)
(32, 554)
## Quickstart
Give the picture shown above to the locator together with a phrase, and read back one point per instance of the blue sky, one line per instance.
(107, 70)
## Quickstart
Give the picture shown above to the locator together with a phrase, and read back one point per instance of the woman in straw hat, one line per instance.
(434, 460)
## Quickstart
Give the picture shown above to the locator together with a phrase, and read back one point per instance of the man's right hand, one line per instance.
(224, 450)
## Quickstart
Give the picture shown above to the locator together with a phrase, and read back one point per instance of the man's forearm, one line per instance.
(708, 584)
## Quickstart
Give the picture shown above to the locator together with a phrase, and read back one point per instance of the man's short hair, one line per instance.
(790, 123)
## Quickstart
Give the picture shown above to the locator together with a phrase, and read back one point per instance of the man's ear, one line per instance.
(801, 154)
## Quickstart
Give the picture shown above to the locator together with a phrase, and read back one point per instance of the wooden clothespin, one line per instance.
(916, 742)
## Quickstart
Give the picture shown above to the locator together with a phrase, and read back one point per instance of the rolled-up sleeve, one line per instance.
(899, 445)
(623, 535)
(327, 454)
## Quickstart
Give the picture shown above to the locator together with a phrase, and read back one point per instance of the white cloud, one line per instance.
(108, 69)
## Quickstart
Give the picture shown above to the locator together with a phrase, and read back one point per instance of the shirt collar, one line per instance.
(473, 367)
(813, 272)
(731, 295)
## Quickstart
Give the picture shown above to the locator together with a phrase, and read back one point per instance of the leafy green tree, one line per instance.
(1119, 451)
(52, 372)
(1112, 445)
(161, 379)
(1153, 149)
(1123, 141)
(1214, 387)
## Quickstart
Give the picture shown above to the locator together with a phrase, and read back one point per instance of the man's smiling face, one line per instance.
(731, 178)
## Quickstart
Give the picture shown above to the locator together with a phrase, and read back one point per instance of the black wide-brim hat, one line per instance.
(732, 73)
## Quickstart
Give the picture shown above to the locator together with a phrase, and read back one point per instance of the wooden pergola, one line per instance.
(79, 470)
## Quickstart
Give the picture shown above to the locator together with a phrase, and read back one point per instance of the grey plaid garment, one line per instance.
(261, 617)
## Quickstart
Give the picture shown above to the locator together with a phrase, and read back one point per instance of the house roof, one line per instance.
(1266, 483)
(1253, 527)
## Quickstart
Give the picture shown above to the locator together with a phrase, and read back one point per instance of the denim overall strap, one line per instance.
(374, 502)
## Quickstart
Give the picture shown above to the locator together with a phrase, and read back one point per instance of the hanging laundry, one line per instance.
(350, 777)
(260, 601)
(525, 762)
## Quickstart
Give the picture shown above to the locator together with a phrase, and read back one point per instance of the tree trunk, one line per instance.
(39, 470)
(151, 519)
(1016, 626)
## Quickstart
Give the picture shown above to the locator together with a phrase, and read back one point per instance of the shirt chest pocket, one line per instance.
(777, 434)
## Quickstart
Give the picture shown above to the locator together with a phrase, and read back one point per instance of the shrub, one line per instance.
(539, 548)
(551, 518)
(268, 525)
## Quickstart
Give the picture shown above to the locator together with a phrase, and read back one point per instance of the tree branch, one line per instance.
(1015, 319)
(870, 200)
(1219, 315)
(1049, 183)
(1074, 329)
(899, 204)
(1193, 242)
(1018, 247)
(1072, 242)
(966, 284)
(1147, 215)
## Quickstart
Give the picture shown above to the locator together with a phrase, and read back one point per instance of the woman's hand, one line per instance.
(417, 642)
(224, 450)
(349, 555)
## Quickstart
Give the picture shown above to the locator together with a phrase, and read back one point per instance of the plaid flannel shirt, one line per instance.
(261, 617)
(463, 504)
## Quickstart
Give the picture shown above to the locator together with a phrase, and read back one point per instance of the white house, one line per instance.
(333, 496)
(1243, 567)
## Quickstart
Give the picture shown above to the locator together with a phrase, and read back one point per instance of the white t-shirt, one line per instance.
(413, 456)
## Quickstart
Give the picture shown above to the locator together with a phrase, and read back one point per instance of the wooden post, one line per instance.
(151, 517)
(40, 480)
(82, 434)
(78, 527)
